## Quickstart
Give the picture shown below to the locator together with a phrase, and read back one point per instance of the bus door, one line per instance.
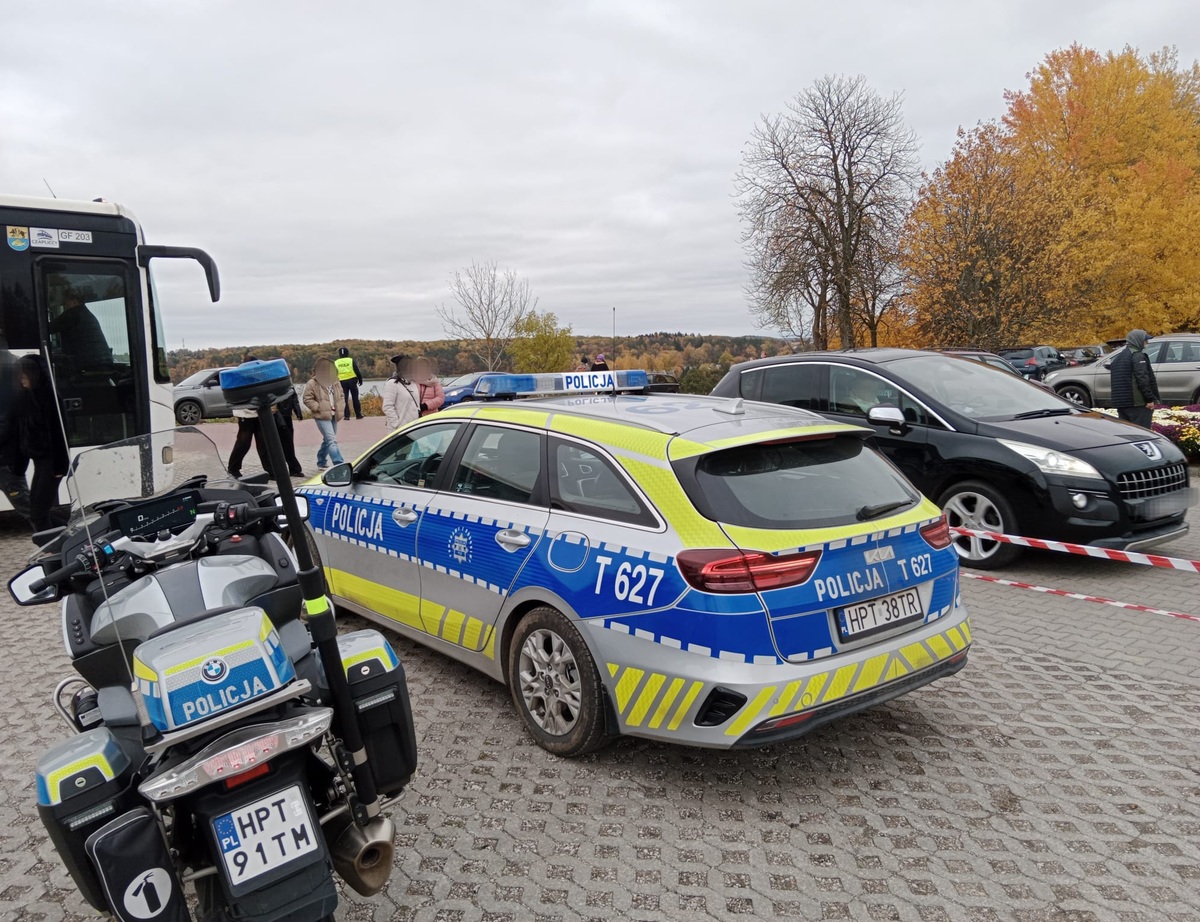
(91, 318)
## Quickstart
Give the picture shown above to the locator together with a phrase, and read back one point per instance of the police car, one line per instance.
(700, 570)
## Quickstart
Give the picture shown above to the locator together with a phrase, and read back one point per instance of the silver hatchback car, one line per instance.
(1176, 360)
(199, 397)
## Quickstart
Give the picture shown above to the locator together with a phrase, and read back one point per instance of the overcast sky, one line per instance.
(340, 160)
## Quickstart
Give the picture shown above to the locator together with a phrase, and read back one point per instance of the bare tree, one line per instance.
(816, 186)
(491, 306)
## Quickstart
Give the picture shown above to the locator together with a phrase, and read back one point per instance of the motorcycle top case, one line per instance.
(380, 692)
(205, 667)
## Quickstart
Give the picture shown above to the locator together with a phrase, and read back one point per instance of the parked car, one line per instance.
(1176, 359)
(198, 397)
(462, 388)
(994, 361)
(994, 454)
(662, 383)
(1084, 355)
(1034, 361)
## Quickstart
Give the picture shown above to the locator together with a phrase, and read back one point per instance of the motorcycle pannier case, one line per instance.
(380, 692)
(82, 784)
(135, 869)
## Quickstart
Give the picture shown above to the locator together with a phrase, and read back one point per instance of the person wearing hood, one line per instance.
(430, 389)
(351, 379)
(325, 402)
(401, 397)
(32, 433)
(1134, 387)
(599, 364)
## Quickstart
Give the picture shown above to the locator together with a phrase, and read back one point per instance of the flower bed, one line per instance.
(1180, 424)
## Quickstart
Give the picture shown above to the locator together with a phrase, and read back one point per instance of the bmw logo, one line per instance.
(213, 670)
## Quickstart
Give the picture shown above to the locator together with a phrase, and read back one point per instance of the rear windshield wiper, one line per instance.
(866, 513)
(1048, 411)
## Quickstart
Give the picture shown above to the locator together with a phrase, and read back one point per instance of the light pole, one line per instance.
(614, 346)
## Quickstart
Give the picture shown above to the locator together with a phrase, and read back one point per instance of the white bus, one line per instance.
(61, 260)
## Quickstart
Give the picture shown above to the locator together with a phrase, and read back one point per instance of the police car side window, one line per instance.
(587, 484)
(410, 460)
(501, 464)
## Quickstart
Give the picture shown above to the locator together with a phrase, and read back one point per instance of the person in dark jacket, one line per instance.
(13, 462)
(599, 364)
(351, 380)
(32, 426)
(80, 335)
(284, 410)
(1134, 387)
(247, 421)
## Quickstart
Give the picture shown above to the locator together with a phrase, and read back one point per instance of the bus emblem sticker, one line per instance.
(46, 237)
(18, 238)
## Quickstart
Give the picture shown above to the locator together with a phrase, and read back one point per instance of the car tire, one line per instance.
(555, 684)
(980, 506)
(1076, 393)
(188, 413)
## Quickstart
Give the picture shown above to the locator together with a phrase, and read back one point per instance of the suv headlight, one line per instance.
(1049, 461)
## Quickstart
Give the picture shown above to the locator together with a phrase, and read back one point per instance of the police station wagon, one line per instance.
(693, 569)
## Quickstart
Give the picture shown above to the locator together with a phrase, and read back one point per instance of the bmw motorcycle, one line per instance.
(224, 735)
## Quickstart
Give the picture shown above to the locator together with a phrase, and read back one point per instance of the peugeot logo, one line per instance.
(213, 670)
(1149, 449)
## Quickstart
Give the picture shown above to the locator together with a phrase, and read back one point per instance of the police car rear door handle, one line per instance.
(404, 517)
(511, 540)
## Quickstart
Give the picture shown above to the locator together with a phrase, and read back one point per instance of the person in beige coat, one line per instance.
(326, 403)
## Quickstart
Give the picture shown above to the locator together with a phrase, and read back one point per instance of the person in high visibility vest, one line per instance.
(351, 379)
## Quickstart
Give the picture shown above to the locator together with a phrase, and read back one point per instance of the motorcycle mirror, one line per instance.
(340, 475)
(19, 587)
(301, 506)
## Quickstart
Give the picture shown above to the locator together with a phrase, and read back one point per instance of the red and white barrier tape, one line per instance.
(1079, 595)
(1086, 550)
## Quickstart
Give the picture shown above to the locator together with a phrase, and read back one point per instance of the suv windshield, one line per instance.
(811, 483)
(974, 389)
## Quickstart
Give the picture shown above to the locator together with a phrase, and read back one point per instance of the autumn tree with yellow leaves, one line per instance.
(1075, 218)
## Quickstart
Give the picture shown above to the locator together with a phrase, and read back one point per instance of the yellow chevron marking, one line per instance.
(750, 711)
(965, 627)
(613, 669)
(871, 671)
(916, 654)
(841, 682)
(490, 649)
(470, 638)
(452, 626)
(646, 699)
(896, 669)
(940, 646)
(785, 698)
(626, 685)
(684, 705)
(956, 639)
(812, 691)
(665, 705)
(431, 616)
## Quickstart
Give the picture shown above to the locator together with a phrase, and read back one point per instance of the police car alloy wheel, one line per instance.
(979, 506)
(555, 684)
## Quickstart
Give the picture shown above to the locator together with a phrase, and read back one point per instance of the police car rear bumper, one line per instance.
(673, 695)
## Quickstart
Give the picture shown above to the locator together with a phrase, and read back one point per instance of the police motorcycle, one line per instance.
(210, 744)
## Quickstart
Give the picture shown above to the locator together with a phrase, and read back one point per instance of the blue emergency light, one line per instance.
(493, 386)
(257, 383)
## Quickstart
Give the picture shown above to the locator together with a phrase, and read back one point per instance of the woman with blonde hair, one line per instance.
(432, 394)
(325, 401)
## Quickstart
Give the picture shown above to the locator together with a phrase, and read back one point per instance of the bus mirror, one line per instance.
(145, 253)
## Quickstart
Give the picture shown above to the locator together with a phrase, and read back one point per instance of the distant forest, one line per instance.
(698, 359)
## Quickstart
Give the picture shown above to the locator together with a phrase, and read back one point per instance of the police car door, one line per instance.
(374, 523)
(479, 531)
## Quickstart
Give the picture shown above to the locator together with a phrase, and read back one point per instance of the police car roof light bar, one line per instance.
(506, 386)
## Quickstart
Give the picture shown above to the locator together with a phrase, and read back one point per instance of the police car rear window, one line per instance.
(802, 484)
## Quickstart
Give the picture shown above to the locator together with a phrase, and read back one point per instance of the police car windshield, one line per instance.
(814, 483)
(974, 389)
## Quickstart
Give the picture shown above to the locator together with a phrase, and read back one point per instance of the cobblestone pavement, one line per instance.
(1055, 778)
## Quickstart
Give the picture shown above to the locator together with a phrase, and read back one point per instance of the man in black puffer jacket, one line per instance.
(1134, 388)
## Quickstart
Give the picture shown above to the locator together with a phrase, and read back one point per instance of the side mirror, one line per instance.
(301, 505)
(340, 475)
(892, 417)
(22, 594)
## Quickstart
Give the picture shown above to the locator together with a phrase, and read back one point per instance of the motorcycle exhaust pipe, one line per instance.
(363, 855)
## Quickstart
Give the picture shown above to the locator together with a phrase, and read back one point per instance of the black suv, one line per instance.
(996, 454)
(1034, 361)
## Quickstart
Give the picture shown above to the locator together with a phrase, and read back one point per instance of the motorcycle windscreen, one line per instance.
(135, 869)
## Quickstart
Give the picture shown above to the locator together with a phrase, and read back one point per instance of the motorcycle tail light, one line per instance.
(250, 775)
(237, 753)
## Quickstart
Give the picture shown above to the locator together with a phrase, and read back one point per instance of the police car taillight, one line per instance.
(728, 570)
(937, 533)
